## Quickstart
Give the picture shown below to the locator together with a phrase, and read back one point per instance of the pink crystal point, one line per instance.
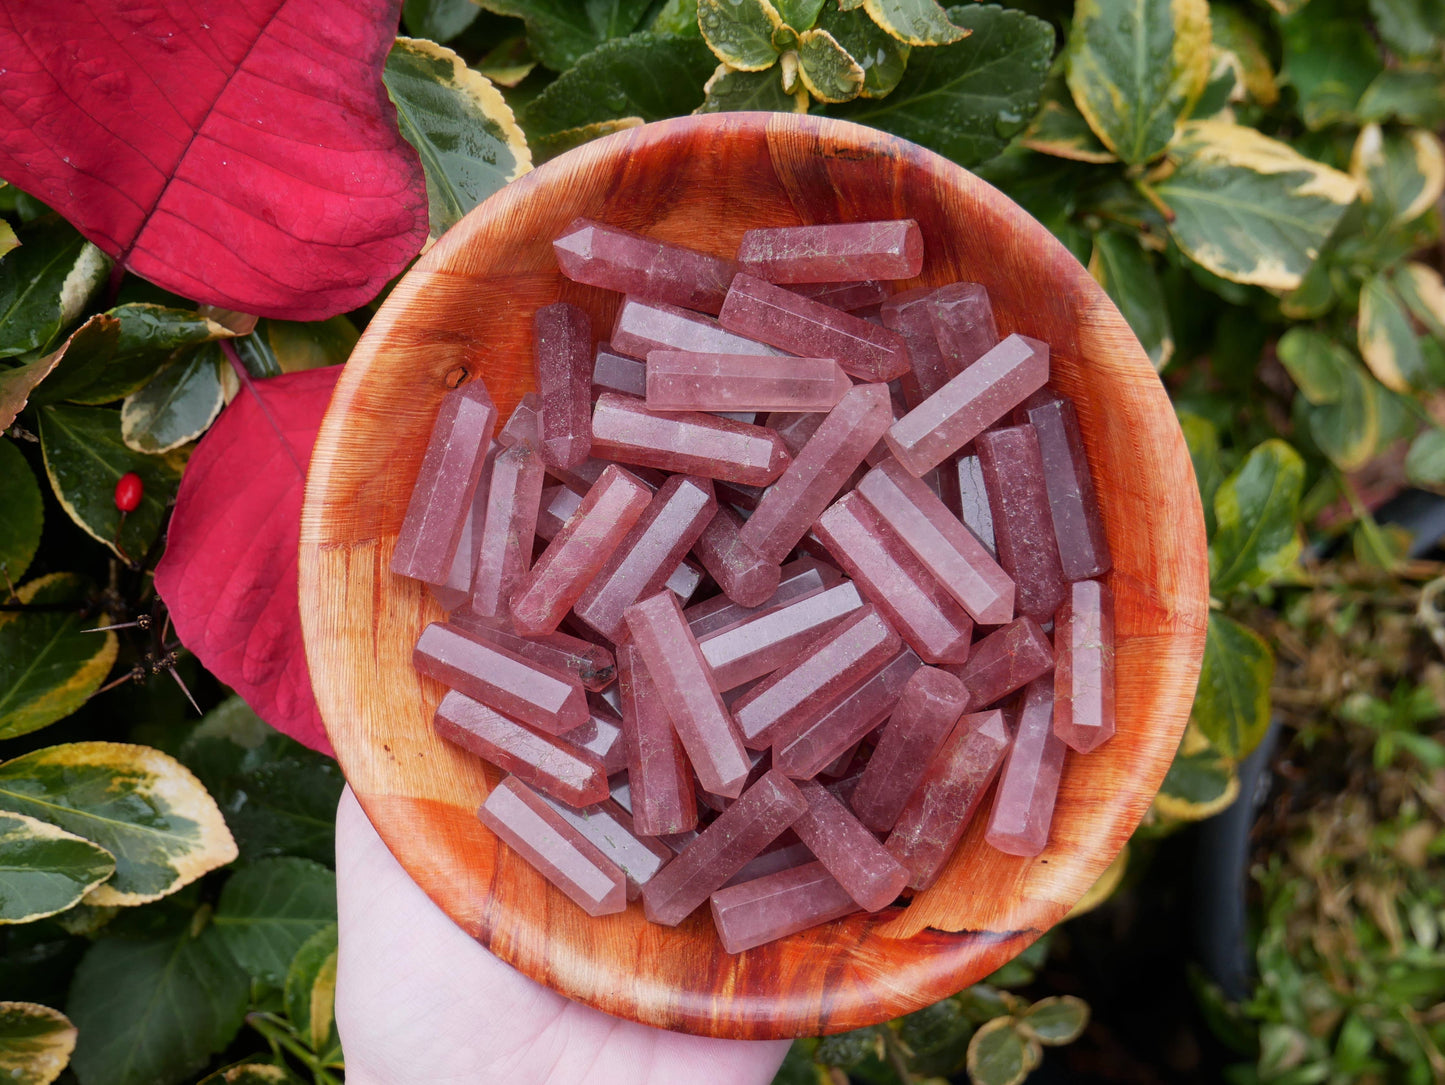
(792, 698)
(558, 503)
(685, 685)
(781, 854)
(764, 643)
(649, 555)
(939, 540)
(776, 905)
(1006, 660)
(1013, 472)
(691, 442)
(907, 314)
(504, 549)
(522, 819)
(590, 664)
(799, 325)
(561, 574)
(589, 252)
(852, 854)
(1023, 806)
(969, 403)
(609, 828)
(446, 484)
(1084, 668)
(500, 679)
(523, 428)
(798, 579)
(950, 793)
(562, 353)
(973, 504)
(661, 796)
(683, 580)
(745, 577)
(891, 249)
(548, 763)
(612, 372)
(811, 750)
(681, 381)
(741, 831)
(963, 324)
(931, 704)
(892, 578)
(795, 428)
(792, 504)
(1078, 523)
(601, 736)
(849, 296)
(642, 327)
(456, 591)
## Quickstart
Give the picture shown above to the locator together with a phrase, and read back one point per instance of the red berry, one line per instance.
(128, 491)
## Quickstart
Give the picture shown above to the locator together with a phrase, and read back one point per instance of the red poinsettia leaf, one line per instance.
(242, 154)
(229, 571)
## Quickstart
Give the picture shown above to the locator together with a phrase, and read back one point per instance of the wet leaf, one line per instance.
(555, 143)
(469, 142)
(263, 127)
(1199, 784)
(1057, 1020)
(968, 99)
(85, 456)
(882, 57)
(35, 1043)
(1231, 708)
(917, 22)
(1388, 342)
(177, 405)
(1249, 208)
(1136, 70)
(44, 870)
(561, 32)
(826, 69)
(731, 91)
(24, 516)
(137, 803)
(269, 908)
(937, 1037)
(740, 32)
(48, 666)
(311, 991)
(1257, 537)
(508, 62)
(45, 283)
(439, 20)
(1127, 275)
(997, 1054)
(1060, 129)
(1400, 174)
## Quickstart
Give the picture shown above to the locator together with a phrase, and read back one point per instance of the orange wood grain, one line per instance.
(702, 181)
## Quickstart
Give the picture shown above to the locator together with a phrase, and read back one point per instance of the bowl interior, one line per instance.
(467, 305)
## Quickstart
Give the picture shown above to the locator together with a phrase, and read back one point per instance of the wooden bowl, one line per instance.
(468, 304)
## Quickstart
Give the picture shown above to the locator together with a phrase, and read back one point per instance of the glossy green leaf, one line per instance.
(917, 22)
(44, 870)
(552, 144)
(85, 456)
(731, 91)
(278, 797)
(1249, 208)
(35, 1043)
(1256, 539)
(45, 284)
(48, 666)
(1422, 290)
(1203, 441)
(968, 99)
(439, 20)
(1349, 431)
(508, 62)
(1060, 129)
(139, 804)
(1315, 362)
(1409, 95)
(1387, 338)
(1411, 28)
(100, 365)
(1329, 59)
(1057, 1020)
(1400, 174)
(997, 1054)
(1136, 70)
(1199, 784)
(469, 142)
(311, 991)
(1245, 38)
(802, 14)
(1121, 266)
(740, 32)
(269, 908)
(177, 405)
(288, 346)
(1425, 462)
(937, 1036)
(155, 1009)
(882, 57)
(24, 514)
(676, 18)
(826, 69)
(642, 76)
(1231, 708)
(561, 32)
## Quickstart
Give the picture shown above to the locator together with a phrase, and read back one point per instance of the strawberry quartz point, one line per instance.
(773, 906)
(562, 353)
(589, 252)
(1084, 667)
(626, 430)
(887, 249)
(682, 381)
(1023, 805)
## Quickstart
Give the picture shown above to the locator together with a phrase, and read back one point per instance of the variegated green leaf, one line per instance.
(19, 381)
(562, 32)
(555, 143)
(510, 61)
(465, 132)
(439, 20)
(1348, 431)
(1136, 69)
(1199, 784)
(1256, 537)
(1315, 362)
(802, 14)
(917, 22)
(139, 804)
(1202, 438)
(49, 667)
(177, 405)
(254, 1073)
(270, 908)
(740, 32)
(289, 346)
(1400, 174)
(1423, 292)
(882, 57)
(35, 1043)
(1057, 1020)
(998, 1054)
(1388, 341)
(24, 513)
(311, 991)
(8, 240)
(1411, 28)
(1410, 95)
(826, 69)
(1234, 31)
(730, 91)
(1231, 708)
(45, 284)
(1127, 275)
(1329, 59)
(1059, 129)
(1425, 462)
(1249, 208)
(44, 869)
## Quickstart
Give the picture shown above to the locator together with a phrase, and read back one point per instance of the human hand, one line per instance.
(419, 1001)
